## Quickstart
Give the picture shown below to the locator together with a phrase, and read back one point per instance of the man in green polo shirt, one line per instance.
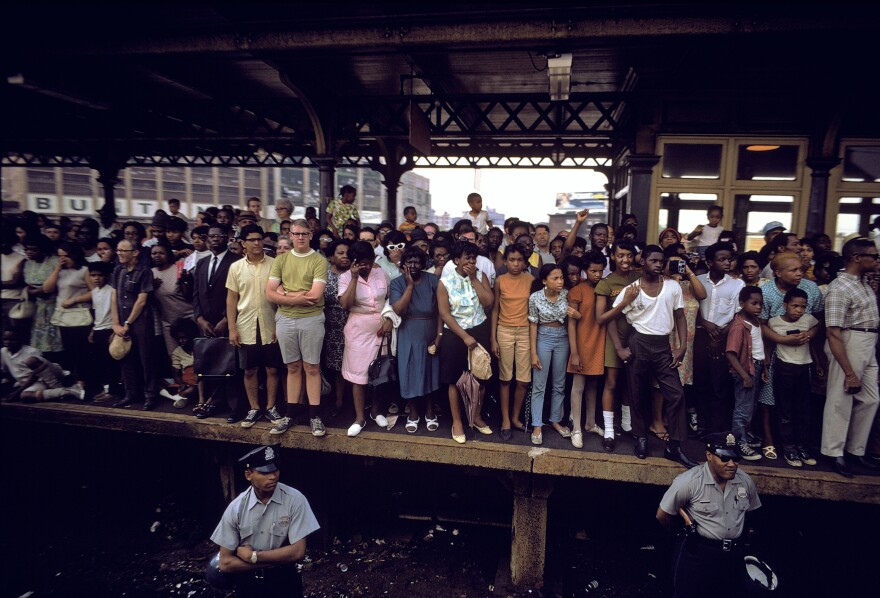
(296, 283)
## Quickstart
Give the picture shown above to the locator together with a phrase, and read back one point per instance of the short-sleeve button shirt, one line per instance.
(542, 310)
(718, 515)
(287, 516)
(850, 303)
(249, 279)
(129, 284)
(722, 299)
(370, 294)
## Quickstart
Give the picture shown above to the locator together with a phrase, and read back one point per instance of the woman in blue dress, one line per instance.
(414, 299)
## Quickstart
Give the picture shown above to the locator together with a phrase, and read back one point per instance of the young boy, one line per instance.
(409, 224)
(710, 233)
(791, 378)
(510, 336)
(745, 353)
(585, 363)
(478, 216)
(106, 371)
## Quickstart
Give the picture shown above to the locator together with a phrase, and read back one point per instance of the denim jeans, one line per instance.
(744, 402)
(552, 345)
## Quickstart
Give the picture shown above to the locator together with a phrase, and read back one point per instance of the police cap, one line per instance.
(264, 459)
(722, 444)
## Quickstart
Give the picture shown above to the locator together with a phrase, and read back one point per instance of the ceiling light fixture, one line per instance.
(559, 71)
(761, 148)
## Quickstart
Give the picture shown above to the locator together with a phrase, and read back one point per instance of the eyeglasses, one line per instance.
(441, 256)
(325, 240)
(125, 251)
(216, 236)
(255, 239)
(396, 246)
(300, 234)
(873, 256)
(469, 239)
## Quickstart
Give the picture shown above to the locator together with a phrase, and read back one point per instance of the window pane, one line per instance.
(856, 200)
(767, 162)
(847, 224)
(755, 227)
(862, 164)
(691, 161)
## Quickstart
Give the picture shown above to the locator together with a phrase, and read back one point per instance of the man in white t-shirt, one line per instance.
(654, 308)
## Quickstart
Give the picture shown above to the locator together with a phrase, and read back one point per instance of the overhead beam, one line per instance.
(535, 28)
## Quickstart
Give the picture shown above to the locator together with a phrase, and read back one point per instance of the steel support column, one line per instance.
(396, 158)
(108, 176)
(327, 170)
(821, 169)
(641, 168)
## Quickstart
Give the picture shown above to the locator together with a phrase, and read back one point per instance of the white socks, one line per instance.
(625, 418)
(608, 416)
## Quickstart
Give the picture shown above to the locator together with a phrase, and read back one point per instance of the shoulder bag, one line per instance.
(24, 309)
(383, 368)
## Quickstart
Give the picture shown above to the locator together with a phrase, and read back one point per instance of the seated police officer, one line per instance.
(263, 531)
(715, 496)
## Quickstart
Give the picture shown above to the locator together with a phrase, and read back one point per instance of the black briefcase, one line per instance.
(214, 357)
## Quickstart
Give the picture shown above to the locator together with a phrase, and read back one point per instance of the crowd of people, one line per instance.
(597, 332)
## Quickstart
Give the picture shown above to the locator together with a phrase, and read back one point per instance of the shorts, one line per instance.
(514, 343)
(300, 339)
(36, 387)
(259, 355)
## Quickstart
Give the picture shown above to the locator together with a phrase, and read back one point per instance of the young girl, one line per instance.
(548, 308)
(510, 335)
(607, 290)
(185, 385)
(585, 338)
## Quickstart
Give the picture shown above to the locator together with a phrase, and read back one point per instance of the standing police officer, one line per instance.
(716, 497)
(263, 531)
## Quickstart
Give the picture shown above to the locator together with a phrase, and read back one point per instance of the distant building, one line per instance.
(569, 204)
(75, 192)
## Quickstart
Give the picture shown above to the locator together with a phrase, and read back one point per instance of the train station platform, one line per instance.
(532, 469)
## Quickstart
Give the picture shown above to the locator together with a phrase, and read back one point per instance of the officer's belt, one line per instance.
(723, 545)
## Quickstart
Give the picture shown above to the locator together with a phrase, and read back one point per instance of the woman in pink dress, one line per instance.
(363, 290)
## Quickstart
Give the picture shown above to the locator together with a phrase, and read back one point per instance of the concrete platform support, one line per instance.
(529, 531)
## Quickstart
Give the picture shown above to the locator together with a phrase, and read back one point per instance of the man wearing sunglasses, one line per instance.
(715, 496)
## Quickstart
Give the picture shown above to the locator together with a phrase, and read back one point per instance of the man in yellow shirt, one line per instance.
(251, 320)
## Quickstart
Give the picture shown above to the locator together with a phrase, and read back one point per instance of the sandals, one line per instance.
(770, 452)
(663, 437)
(412, 425)
(198, 408)
(431, 423)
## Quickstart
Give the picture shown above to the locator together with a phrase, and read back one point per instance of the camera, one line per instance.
(680, 266)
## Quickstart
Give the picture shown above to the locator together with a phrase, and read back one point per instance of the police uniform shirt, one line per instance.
(286, 516)
(718, 515)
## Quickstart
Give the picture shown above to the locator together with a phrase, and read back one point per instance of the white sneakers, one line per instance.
(355, 429)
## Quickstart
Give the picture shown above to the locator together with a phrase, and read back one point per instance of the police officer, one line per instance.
(263, 531)
(715, 496)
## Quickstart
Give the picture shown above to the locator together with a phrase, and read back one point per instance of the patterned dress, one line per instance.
(334, 323)
(691, 307)
(44, 336)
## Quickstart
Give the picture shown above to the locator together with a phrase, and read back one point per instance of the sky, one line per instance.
(529, 194)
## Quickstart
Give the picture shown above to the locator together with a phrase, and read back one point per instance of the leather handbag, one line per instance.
(24, 309)
(214, 357)
(383, 369)
(71, 317)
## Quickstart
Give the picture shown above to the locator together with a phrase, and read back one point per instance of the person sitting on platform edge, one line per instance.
(716, 496)
(259, 545)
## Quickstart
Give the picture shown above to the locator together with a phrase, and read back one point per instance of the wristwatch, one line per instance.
(126, 323)
(254, 557)
(285, 292)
